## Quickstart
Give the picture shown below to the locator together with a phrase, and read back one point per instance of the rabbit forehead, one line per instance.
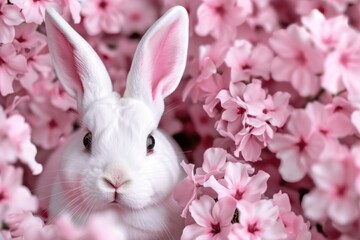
(119, 115)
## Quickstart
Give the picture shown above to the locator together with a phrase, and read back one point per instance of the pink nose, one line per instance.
(115, 183)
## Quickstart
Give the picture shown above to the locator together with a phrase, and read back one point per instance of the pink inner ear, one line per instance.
(67, 68)
(164, 64)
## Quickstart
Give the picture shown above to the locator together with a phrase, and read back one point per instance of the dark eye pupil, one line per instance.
(87, 141)
(150, 143)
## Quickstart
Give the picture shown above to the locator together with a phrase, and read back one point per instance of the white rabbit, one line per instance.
(119, 160)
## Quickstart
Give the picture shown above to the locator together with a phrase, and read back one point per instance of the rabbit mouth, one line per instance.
(116, 199)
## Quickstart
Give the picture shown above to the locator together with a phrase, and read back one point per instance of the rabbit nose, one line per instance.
(115, 182)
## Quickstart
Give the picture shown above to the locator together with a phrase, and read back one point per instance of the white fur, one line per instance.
(76, 180)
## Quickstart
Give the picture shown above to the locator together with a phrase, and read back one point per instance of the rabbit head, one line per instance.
(119, 156)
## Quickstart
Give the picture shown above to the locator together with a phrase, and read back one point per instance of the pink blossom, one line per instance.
(11, 64)
(238, 185)
(247, 61)
(34, 11)
(257, 220)
(213, 164)
(191, 186)
(238, 103)
(186, 191)
(74, 7)
(219, 18)
(330, 124)
(326, 33)
(299, 148)
(15, 142)
(277, 108)
(304, 7)
(294, 225)
(27, 37)
(49, 125)
(10, 16)
(102, 15)
(355, 119)
(138, 15)
(264, 16)
(100, 226)
(203, 124)
(203, 70)
(62, 100)
(340, 104)
(213, 219)
(38, 64)
(298, 61)
(24, 225)
(14, 196)
(341, 67)
(340, 5)
(334, 194)
(246, 119)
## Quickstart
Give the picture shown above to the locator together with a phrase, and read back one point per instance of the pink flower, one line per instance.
(185, 192)
(27, 37)
(277, 110)
(102, 225)
(23, 225)
(355, 119)
(13, 195)
(15, 142)
(247, 61)
(74, 7)
(203, 124)
(102, 15)
(340, 104)
(342, 66)
(246, 119)
(203, 69)
(191, 186)
(49, 125)
(330, 124)
(340, 5)
(238, 185)
(298, 149)
(38, 64)
(34, 11)
(298, 61)
(10, 16)
(264, 16)
(334, 194)
(213, 219)
(304, 7)
(257, 220)
(11, 64)
(62, 100)
(295, 226)
(239, 103)
(326, 33)
(219, 18)
(213, 164)
(138, 16)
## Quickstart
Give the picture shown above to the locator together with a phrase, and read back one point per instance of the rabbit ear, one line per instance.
(160, 60)
(77, 65)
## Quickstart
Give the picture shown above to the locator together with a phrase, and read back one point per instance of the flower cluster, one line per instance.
(226, 199)
(267, 114)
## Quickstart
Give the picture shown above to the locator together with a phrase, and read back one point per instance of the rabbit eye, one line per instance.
(87, 141)
(150, 143)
